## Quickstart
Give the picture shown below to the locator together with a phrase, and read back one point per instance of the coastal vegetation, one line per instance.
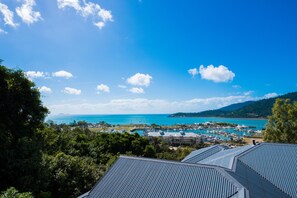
(282, 124)
(65, 160)
(251, 109)
(49, 160)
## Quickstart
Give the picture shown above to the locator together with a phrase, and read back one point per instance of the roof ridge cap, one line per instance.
(171, 162)
(209, 148)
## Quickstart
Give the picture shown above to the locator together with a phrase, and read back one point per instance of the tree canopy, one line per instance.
(282, 124)
(57, 160)
(21, 114)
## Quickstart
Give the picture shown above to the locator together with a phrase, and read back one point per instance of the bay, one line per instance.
(160, 119)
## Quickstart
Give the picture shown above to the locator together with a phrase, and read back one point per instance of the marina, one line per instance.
(177, 130)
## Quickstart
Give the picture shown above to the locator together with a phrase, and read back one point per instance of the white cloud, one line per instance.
(63, 74)
(105, 15)
(216, 74)
(34, 74)
(88, 9)
(218, 102)
(248, 93)
(45, 89)
(140, 79)
(122, 86)
(72, 91)
(193, 72)
(103, 88)
(26, 12)
(118, 106)
(100, 24)
(236, 86)
(8, 15)
(143, 105)
(69, 3)
(136, 90)
(270, 95)
(2, 31)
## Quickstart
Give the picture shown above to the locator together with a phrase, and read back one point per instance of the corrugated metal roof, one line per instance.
(265, 170)
(225, 158)
(198, 155)
(139, 177)
(257, 185)
(85, 195)
(276, 163)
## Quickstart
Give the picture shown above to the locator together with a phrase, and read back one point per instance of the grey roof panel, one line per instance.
(257, 185)
(85, 195)
(198, 155)
(225, 158)
(139, 177)
(277, 163)
(265, 170)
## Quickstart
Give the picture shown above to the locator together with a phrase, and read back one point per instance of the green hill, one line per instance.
(236, 106)
(251, 109)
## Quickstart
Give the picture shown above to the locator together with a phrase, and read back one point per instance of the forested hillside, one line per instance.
(250, 109)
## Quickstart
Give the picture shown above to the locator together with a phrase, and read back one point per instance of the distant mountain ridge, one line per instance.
(236, 106)
(250, 109)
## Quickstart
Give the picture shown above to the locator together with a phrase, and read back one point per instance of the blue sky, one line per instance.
(151, 56)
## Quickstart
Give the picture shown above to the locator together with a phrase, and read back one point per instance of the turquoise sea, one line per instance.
(160, 119)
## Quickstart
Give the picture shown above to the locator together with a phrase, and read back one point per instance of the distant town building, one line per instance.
(176, 138)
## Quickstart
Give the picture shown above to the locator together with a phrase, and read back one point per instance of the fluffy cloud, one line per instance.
(218, 102)
(248, 93)
(136, 90)
(2, 31)
(8, 15)
(122, 86)
(45, 89)
(193, 72)
(236, 86)
(34, 74)
(26, 12)
(63, 74)
(137, 105)
(100, 24)
(140, 80)
(88, 9)
(216, 74)
(103, 88)
(72, 91)
(143, 105)
(69, 3)
(270, 95)
(105, 15)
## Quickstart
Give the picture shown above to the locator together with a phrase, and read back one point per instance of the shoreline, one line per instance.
(218, 117)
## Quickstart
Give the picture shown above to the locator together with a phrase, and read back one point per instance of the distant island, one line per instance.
(250, 109)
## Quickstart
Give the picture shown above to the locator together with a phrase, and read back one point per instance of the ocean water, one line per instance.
(160, 119)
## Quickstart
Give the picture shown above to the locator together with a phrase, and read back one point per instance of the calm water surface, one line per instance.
(160, 119)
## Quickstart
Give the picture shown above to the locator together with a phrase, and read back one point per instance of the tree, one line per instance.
(282, 125)
(21, 114)
(14, 193)
(70, 176)
(149, 151)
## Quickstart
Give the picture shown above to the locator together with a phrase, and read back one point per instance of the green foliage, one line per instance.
(14, 193)
(70, 176)
(282, 125)
(21, 114)
(52, 160)
(149, 151)
(174, 154)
